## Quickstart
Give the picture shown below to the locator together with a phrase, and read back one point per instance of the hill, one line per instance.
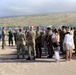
(36, 20)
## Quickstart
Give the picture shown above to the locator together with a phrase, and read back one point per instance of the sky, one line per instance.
(34, 7)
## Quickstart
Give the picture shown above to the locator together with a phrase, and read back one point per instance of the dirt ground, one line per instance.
(9, 65)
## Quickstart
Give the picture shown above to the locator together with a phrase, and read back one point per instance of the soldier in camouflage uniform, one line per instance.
(20, 43)
(49, 42)
(3, 38)
(62, 35)
(75, 39)
(30, 37)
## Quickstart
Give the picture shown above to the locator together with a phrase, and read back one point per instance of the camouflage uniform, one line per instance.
(20, 43)
(3, 39)
(30, 37)
(75, 40)
(49, 44)
(62, 35)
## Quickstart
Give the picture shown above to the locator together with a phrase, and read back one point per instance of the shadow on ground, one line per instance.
(11, 58)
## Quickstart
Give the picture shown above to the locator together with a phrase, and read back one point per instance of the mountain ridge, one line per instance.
(42, 19)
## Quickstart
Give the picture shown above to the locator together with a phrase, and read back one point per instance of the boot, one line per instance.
(28, 58)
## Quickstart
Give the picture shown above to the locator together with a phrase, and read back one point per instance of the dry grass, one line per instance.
(50, 19)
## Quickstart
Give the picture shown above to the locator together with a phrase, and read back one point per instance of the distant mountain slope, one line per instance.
(50, 19)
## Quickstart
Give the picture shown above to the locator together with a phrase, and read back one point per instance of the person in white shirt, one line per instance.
(68, 44)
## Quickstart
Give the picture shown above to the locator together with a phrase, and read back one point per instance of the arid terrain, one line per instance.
(38, 20)
(9, 65)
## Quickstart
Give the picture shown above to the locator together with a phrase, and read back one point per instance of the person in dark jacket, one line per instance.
(38, 43)
(10, 37)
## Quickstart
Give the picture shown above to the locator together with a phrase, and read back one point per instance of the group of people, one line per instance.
(11, 36)
(53, 41)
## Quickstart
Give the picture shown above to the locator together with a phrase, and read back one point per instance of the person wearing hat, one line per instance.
(68, 44)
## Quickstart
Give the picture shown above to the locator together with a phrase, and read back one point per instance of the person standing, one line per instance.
(43, 40)
(62, 35)
(38, 43)
(75, 39)
(10, 35)
(20, 43)
(68, 44)
(56, 44)
(30, 37)
(3, 37)
(49, 42)
(15, 36)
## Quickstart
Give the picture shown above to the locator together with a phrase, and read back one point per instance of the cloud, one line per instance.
(29, 7)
